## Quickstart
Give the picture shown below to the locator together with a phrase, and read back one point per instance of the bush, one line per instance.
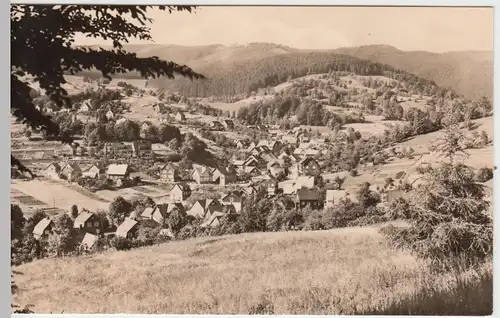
(484, 174)
(121, 243)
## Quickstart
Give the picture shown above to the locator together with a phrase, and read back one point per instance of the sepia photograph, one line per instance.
(252, 160)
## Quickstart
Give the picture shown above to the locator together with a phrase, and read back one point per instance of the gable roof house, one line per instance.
(43, 228)
(88, 222)
(91, 171)
(213, 220)
(161, 212)
(110, 114)
(52, 170)
(71, 171)
(270, 184)
(309, 167)
(128, 228)
(180, 192)
(309, 197)
(205, 208)
(202, 175)
(159, 108)
(228, 124)
(169, 173)
(234, 198)
(180, 116)
(216, 125)
(224, 176)
(141, 148)
(84, 107)
(242, 144)
(88, 242)
(117, 172)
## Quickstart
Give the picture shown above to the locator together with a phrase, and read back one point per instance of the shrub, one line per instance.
(121, 243)
(484, 174)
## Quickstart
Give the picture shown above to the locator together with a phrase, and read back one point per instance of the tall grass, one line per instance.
(343, 271)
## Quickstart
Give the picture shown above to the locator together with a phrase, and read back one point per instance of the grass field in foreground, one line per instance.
(330, 272)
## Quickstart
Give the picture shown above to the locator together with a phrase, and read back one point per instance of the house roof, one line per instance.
(82, 218)
(55, 164)
(308, 194)
(42, 226)
(72, 165)
(117, 170)
(125, 227)
(202, 170)
(166, 208)
(88, 240)
(147, 213)
(183, 187)
(306, 160)
(250, 169)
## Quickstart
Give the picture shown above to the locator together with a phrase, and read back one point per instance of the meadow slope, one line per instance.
(330, 272)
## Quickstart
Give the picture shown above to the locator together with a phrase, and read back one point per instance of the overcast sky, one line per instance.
(427, 29)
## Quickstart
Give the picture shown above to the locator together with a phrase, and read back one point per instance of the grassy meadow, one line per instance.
(344, 271)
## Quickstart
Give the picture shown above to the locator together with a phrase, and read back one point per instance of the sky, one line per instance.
(409, 29)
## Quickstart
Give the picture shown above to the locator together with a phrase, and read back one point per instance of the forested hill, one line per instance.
(469, 72)
(247, 76)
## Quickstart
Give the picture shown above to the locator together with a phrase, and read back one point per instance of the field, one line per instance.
(331, 272)
(56, 193)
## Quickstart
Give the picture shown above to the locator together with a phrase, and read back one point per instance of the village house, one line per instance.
(84, 107)
(275, 168)
(270, 184)
(88, 222)
(248, 191)
(160, 150)
(141, 148)
(233, 198)
(309, 167)
(71, 171)
(161, 212)
(309, 197)
(213, 220)
(117, 149)
(180, 117)
(228, 124)
(224, 176)
(202, 175)
(53, 170)
(205, 208)
(252, 171)
(159, 108)
(128, 229)
(215, 125)
(110, 115)
(180, 192)
(118, 172)
(169, 173)
(144, 128)
(43, 228)
(91, 171)
(88, 242)
(251, 146)
(241, 144)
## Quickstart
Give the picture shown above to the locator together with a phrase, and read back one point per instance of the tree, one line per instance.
(59, 241)
(448, 217)
(366, 197)
(57, 26)
(119, 209)
(176, 221)
(17, 222)
(340, 181)
(74, 211)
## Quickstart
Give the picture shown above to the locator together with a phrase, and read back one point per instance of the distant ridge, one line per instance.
(467, 72)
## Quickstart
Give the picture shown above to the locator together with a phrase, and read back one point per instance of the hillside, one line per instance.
(469, 73)
(329, 272)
